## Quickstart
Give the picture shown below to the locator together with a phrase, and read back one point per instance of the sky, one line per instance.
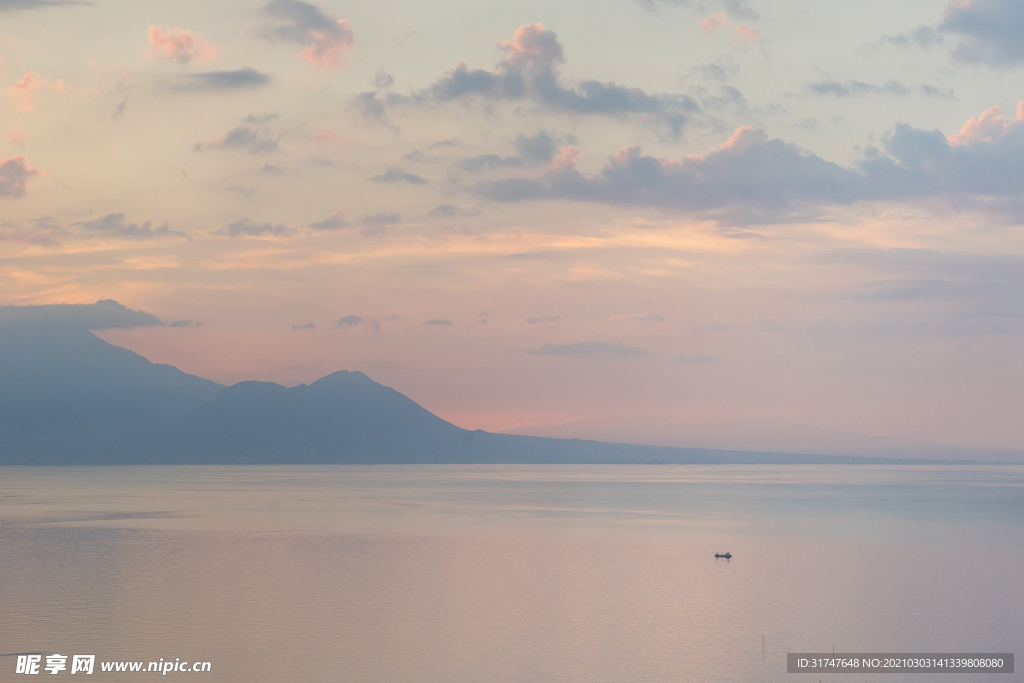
(733, 212)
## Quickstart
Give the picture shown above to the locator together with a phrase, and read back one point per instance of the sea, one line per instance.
(505, 573)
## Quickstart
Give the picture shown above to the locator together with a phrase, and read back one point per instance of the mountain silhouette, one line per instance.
(69, 398)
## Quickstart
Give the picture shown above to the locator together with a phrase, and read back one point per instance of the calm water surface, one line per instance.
(490, 574)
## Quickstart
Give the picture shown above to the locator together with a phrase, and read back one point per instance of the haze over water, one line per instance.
(509, 573)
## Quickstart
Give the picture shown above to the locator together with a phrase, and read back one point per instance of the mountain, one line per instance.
(65, 393)
(773, 437)
(343, 417)
(68, 397)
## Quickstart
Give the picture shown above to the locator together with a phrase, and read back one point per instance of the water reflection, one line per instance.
(453, 574)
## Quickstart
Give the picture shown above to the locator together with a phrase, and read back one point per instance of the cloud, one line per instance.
(326, 41)
(739, 8)
(984, 31)
(44, 231)
(179, 45)
(721, 70)
(989, 31)
(30, 85)
(753, 179)
(749, 178)
(446, 211)
(14, 173)
(981, 167)
(695, 359)
(335, 222)
(373, 109)
(545, 320)
(254, 139)
(349, 321)
(720, 20)
(530, 70)
(397, 175)
(184, 323)
(246, 228)
(115, 225)
(531, 150)
(106, 314)
(238, 79)
(380, 220)
(587, 349)
(439, 322)
(304, 326)
(952, 294)
(12, 5)
(859, 88)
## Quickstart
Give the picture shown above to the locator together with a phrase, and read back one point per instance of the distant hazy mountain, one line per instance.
(68, 397)
(65, 393)
(778, 438)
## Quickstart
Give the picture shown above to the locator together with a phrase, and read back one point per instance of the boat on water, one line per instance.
(725, 555)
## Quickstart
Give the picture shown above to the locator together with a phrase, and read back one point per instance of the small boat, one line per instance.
(727, 556)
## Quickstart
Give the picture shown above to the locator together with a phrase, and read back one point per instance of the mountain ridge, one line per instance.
(68, 397)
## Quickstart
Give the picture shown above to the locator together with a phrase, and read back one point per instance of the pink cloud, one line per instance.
(326, 41)
(29, 86)
(534, 46)
(330, 48)
(180, 45)
(14, 172)
(16, 135)
(720, 20)
(988, 127)
(567, 157)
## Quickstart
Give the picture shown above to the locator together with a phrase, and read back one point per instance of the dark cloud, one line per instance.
(356, 320)
(417, 156)
(303, 326)
(923, 36)
(446, 211)
(327, 41)
(989, 31)
(396, 175)
(335, 222)
(254, 139)
(439, 322)
(856, 88)
(270, 169)
(587, 349)
(450, 142)
(530, 70)
(12, 5)
(116, 225)
(749, 179)
(373, 108)
(14, 173)
(543, 320)
(239, 79)
(246, 228)
(859, 88)
(984, 32)
(531, 150)
(185, 323)
(106, 314)
(752, 179)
